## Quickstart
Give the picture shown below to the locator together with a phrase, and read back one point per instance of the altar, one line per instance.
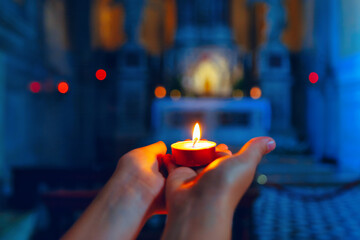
(228, 121)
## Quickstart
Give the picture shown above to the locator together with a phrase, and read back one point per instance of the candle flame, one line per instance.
(196, 134)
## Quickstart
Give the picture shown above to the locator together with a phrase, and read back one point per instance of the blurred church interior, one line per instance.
(83, 82)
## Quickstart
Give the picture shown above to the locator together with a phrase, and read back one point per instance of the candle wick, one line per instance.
(194, 142)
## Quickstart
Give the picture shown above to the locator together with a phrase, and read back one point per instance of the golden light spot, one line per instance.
(261, 179)
(237, 93)
(255, 93)
(209, 77)
(206, 78)
(160, 92)
(175, 94)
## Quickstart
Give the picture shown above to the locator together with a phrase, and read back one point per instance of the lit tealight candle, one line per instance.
(193, 153)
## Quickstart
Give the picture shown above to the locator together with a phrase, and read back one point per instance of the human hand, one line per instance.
(132, 194)
(201, 204)
(142, 165)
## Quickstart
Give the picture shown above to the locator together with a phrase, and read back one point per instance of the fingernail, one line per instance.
(271, 145)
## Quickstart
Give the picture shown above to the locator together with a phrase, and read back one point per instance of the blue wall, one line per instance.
(345, 56)
(334, 102)
(2, 114)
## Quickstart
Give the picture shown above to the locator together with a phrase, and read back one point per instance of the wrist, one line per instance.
(117, 212)
(133, 184)
(199, 220)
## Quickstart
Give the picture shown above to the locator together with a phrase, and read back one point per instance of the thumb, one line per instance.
(154, 153)
(158, 148)
(177, 177)
(242, 166)
(256, 148)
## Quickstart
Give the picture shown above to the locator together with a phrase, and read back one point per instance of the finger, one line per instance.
(221, 147)
(228, 152)
(222, 154)
(235, 173)
(256, 148)
(199, 170)
(156, 148)
(177, 177)
(222, 150)
(169, 164)
(155, 151)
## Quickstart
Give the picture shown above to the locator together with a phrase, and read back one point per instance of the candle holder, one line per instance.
(186, 154)
(193, 153)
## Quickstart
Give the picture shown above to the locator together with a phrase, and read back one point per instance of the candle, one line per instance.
(193, 153)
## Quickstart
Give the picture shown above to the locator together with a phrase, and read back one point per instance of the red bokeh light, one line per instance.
(63, 87)
(313, 77)
(35, 87)
(160, 92)
(101, 74)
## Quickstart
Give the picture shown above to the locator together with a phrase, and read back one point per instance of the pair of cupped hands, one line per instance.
(200, 203)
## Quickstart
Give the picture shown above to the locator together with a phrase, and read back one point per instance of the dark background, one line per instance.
(64, 124)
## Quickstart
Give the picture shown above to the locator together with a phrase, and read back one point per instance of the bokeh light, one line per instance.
(35, 87)
(255, 93)
(261, 179)
(175, 94)
(100, 74)
(63, 87)
(160, 92)
(209, 76)
(313, 77)
(237, 93)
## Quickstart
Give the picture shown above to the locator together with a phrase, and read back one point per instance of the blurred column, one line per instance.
(3, 169)
(329, 87)
(224, 11)
(240, 23)
(83, 86)
(322, 97)
(107, 25)
(274, 69)
(133, 14)
(185, 13)
(344, 52)
(213, 26)
(187, 25)
(132, 85)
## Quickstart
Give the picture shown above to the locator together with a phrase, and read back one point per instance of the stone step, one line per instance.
(302, 170)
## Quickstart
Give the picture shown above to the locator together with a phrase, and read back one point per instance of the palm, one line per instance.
(227, 178)
(144, 162)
